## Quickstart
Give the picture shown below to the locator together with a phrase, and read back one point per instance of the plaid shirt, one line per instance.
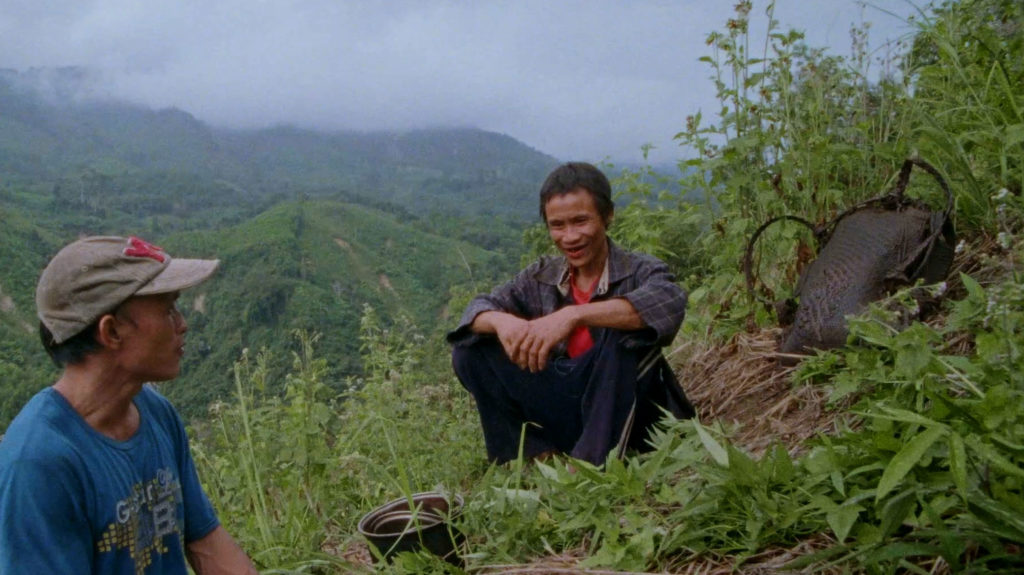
(543, 288)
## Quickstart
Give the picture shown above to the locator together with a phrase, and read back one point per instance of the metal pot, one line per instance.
(396, 526)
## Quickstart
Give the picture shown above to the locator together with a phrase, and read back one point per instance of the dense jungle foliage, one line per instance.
(923, 474)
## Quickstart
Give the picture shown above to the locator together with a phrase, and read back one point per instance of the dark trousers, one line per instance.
(585, 406)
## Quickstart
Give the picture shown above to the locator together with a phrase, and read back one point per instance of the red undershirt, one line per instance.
(580, 340)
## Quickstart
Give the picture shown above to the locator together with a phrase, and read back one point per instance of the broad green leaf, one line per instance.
(974, 289)
(782, 464)
(899, 550)
(1007, 443)
(999, 516)
(824, 503)
(895, 511)
(837, 481)
(958, 463)
(904, 415)
(994, 457)
(547, 471)
(841, 520)
(742, 466)
(716, 450)
(912, 359)
(906, 459)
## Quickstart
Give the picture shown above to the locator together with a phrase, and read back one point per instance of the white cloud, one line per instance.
(577, 79)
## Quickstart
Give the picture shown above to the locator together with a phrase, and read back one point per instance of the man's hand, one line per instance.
(527, 343)
(513, 334)
(511, 331)
(543, 335)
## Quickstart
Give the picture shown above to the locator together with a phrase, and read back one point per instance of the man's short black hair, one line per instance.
(72, 351)
(572, 175)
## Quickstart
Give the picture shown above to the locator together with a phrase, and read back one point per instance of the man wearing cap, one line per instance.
(95, 471)
(567, 355)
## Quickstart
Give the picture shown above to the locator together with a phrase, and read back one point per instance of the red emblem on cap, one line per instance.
(143, 249)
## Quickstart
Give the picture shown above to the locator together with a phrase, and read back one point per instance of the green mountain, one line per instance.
(51, 129)
(311, 227)
(314, 266)
(310, 265)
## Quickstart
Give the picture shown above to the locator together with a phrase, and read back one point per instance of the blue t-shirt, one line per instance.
(75, 501)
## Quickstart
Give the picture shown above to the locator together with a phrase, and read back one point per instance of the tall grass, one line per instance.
(291, 476)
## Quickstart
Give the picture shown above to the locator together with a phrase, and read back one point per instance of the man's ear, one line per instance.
(108, 332)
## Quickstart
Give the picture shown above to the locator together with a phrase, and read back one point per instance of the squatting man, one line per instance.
(567, 354)
(95, 471)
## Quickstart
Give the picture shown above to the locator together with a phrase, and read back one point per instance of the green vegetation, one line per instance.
(299, 250)
(341, 396)
(924, 473)
(23, 363)
(313, 266)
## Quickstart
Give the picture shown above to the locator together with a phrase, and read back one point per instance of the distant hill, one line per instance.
(313, 265)
(308, 264)
(54, 125)
(310, 227)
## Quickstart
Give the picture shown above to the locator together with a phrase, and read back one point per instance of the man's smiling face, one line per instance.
(578, 230)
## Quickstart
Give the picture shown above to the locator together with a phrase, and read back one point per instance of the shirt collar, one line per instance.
(565, 279)
(616, 267)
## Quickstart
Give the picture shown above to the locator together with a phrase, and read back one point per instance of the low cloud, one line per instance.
(577, 79)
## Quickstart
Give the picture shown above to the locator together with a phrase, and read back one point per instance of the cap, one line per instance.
(94, 275)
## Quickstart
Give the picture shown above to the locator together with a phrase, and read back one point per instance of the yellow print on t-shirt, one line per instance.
(143, 519)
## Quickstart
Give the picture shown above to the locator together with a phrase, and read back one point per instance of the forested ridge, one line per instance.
(900, 452)
(102, 152)
(311, 227)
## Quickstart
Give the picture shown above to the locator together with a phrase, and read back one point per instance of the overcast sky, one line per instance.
(582, 79)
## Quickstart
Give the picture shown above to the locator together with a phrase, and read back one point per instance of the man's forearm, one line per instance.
(218, 554)
(490, 321)
(615, 313)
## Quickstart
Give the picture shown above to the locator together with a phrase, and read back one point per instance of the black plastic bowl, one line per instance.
(396, 527)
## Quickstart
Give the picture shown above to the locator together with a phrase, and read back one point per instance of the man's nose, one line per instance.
(179, 320)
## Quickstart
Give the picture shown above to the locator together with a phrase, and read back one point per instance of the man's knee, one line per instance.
(461, 358)
(466, 359)
(474, 364)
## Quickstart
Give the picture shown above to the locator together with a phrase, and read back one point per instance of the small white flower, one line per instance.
(1003, 239)
(1001, 195)
(961, 246)
(940, 288)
